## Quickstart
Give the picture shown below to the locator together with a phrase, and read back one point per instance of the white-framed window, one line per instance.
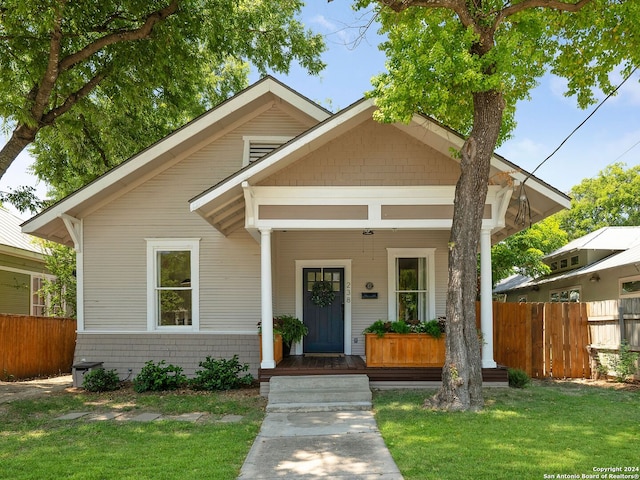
(173, 283)
(629, 287)
(568, 294)
(39, 301)
(411, 280)
(256, 146)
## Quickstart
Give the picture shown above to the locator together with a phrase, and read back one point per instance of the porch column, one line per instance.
(266, 300)
(486, 306)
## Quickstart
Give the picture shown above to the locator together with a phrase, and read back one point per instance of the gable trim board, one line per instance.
(271, 218)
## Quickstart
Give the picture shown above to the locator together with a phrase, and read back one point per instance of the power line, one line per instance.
(582, 123)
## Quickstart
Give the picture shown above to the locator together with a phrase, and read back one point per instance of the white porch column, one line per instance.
(486, 307)
(267, 301)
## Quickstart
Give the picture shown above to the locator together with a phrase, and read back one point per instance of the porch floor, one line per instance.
(354, 364)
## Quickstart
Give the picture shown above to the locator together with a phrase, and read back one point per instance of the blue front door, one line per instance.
(323, 314)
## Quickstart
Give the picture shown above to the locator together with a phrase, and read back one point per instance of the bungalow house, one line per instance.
(602, 265)
(242, 213)
(22, 269)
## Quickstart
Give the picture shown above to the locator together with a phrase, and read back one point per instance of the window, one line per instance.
(411, 280)
(569, 294)
(256, 147)
(630, 287)
(563, 263)
(173, 284)
(38, 298)
(553, 266)
(575, 260)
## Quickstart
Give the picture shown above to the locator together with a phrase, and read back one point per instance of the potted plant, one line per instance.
(277, 343)
(292, 330)
(404, 344)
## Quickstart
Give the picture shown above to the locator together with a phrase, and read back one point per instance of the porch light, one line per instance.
(594, 278)
(367, 232)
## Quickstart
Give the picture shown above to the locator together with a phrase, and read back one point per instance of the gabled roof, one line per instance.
(624, 242)
(226, 198)
(217, 204)
(606, 238)
(168, 151)
(12, 240)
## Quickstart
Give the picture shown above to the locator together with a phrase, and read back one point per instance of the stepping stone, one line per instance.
(73, 416)
(101, 417)
(231, 419)
(146, 417)
(185, 417)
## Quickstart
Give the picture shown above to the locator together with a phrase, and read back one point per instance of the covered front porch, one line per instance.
(385, 377)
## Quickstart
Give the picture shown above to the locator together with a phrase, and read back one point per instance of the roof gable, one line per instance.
(169, 151)
(12, 240)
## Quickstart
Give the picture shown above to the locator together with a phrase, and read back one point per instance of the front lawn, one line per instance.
(557, 429)
(33, 445)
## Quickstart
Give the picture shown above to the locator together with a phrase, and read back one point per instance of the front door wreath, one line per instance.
(322, 294)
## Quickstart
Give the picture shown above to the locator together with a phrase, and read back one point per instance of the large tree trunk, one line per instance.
(462, 373)
(20, 138)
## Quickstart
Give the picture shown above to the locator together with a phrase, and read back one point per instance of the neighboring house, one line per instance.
(244, 212)
(602, 265)
(22, 269)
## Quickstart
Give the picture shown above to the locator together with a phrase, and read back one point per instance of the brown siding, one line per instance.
(372, 154)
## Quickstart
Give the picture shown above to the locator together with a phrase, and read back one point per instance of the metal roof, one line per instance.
(11, 234)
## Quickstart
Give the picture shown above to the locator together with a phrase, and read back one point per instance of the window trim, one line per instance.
(566, 289)
(392, 255)
(628, 279)
(172, 244)
(249, 139)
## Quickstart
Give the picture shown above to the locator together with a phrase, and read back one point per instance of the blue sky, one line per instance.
(612, 134)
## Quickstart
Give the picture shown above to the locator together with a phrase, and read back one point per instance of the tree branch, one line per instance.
(552, 4)
(50, 117)
(121, 36)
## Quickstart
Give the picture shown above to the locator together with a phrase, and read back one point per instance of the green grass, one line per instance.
(33, 445)
(546, 429)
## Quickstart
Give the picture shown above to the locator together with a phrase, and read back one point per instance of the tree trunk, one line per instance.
(462, 373)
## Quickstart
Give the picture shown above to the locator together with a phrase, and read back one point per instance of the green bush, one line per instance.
(624, 364)
(432, 327)
(221, 374)
(435, 328)
(160, 377)
(101, 380)
(518, 378)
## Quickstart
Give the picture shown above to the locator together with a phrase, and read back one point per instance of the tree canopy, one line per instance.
(467, 63)
(523, 252)
(609, 199)
(96, 81)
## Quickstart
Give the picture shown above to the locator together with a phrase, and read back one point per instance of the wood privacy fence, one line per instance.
(35, 346)
(543, 339)
(613, 321)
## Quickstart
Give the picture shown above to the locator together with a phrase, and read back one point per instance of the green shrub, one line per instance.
(160, 377)
(518, 378)
(101, 380)
(221, 374)
(624, 364)
(432, 327)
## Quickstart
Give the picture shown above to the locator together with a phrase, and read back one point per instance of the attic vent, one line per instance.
(258, 150)
(256, 147)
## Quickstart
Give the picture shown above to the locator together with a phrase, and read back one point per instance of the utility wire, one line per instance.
(582, 123)
(524, 208)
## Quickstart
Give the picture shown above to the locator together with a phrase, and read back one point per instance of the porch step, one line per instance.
(319, 393)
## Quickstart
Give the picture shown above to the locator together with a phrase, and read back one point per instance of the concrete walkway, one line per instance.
(316, 427)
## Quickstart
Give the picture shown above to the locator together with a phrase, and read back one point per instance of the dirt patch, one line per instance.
(633, 386)
(29, 389)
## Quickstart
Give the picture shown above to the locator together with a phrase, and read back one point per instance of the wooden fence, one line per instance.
(543, 339)
(35, 346)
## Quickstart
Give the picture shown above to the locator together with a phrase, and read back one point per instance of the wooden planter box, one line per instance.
(404, 350)
(277, 347)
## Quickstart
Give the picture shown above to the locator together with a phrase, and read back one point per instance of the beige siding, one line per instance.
(371, 154)
(368, 255)
(115, 247)
(15, 293)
